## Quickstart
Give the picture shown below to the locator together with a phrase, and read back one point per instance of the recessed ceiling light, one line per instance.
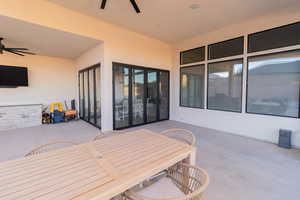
(194, 6)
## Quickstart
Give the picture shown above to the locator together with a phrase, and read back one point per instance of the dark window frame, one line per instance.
(208, 46)
(82, 71)
(181, 53)
(180, 89)
(247, 85)
(207, 86)
(246, 53)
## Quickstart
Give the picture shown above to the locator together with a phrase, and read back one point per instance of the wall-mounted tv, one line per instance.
(11, 76)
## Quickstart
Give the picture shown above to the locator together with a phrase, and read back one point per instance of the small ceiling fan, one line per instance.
(134, 5)
(17, 51)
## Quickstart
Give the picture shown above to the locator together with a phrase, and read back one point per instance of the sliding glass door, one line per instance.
(121, 94)
(86, 96)
(163, 95)
(97, 97)
(89, 95)
(138, 95)
(152, 96)
(141, 95)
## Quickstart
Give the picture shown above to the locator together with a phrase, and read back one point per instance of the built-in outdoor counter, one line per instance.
(20, 116)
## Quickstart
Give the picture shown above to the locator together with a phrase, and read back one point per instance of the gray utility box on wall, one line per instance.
(285, 138)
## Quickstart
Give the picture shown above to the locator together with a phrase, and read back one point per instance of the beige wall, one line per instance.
(285, 16)
(91, 57)
(50, 79)
(251, 125)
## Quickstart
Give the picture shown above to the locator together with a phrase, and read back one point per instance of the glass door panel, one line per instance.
(89, 95)
(86, 97)
(92, 96)
(164, 95)
(138, 88)
(152, 96)
(121, 97)
(81, 95)
(98, 99)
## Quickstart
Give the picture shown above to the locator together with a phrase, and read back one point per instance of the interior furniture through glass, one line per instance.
(141, 95)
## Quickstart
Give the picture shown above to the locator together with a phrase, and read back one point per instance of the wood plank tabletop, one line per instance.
(97, 170)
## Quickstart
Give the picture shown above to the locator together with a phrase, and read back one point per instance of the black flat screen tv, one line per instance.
(11, 76)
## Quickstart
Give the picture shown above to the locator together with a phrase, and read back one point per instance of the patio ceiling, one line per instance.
(43, 40)
(174, 20)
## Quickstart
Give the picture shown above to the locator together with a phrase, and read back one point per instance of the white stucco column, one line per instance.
(106, 93)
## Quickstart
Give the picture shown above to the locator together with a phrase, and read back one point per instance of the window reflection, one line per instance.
(192, 86)
(225, 85)
(121, 96)
(164, 95)
(152, 96)
(273, 84)
(192, 55)
(138, 96)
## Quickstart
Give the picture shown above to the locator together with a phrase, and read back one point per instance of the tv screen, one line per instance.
(11, 76)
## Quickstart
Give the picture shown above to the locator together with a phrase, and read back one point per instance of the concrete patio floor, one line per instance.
(240, 168)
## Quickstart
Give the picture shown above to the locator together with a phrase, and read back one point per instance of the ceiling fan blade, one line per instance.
(103, 4)
(24, 52)
(17, 49)
(14, 52)
(135, 6)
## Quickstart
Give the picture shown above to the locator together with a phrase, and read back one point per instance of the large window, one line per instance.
(226, 48)
(192, 56)
(192, 86)
(225, 85)
(275, 38)
(273, 84)
(273, 80)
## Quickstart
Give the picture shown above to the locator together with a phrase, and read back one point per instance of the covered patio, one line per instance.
(239, 167)
(149, 100)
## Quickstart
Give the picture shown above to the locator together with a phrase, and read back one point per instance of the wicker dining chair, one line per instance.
(50, 146)
(180, 134)
(105, 134)
(186, 182)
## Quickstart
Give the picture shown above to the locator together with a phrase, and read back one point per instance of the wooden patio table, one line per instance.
(97, 170)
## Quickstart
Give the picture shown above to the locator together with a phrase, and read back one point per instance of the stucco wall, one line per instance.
(50, 79)
(91, 57)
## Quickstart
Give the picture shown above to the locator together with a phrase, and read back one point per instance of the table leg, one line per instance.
(193, 156)
(191, 159)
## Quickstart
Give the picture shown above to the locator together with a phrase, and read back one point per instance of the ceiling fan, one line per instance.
(134, 5)
(17, 51)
